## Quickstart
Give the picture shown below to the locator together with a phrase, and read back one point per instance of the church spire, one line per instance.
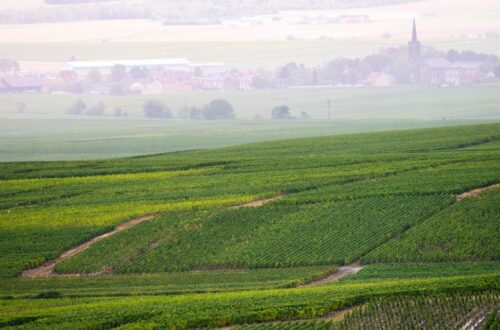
(414, 33)
(414, 55)
(414, 44)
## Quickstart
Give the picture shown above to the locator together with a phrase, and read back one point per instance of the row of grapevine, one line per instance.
(270, 236)
(232, 308)
(466, 231)
(440, 311)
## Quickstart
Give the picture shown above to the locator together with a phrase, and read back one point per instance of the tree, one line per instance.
(94, 76)
(118, 73)
(191, 113)
(304, 115)
(7, 65)
(118, 112)
(218, 110)
(281, 112)
(117, 89)
(96, 110)
(139, 73)
(77, 108)
(156, 109)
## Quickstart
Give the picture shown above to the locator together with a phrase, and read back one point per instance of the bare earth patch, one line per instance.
(342, 272)
(475, 192)
(258, 202)
(47, 269)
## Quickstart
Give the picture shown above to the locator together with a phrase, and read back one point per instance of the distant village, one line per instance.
(414, 64)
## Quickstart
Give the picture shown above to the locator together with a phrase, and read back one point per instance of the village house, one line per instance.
(15, 84)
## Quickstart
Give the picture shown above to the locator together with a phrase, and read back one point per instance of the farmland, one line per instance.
(445, 24)
(44, 132)
(205, 258)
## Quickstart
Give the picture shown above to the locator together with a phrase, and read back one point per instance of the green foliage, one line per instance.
(347, 195)
(218, 109)
(220, 309)
(462, 232)
(162, 283)
(422, 270)
(343, 198)
(438, 311)
(156, 109)
(269, 236)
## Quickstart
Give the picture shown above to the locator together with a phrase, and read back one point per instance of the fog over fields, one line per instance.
(250, 164)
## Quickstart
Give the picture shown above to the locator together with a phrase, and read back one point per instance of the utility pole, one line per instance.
(329, 112)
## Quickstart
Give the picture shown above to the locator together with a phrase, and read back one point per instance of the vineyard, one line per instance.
(442, 311)
(207, 258)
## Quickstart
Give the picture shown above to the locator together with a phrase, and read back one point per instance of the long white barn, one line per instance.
(165, 63)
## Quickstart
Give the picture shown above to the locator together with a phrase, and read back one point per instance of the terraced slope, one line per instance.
(202, 260)
(379, 177)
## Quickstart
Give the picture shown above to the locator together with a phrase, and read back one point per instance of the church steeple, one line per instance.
(414, 55)
(414, 33)
(414, 44)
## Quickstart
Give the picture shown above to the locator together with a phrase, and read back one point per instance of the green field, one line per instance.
(398, 102)
(386, 199)
(44, 133)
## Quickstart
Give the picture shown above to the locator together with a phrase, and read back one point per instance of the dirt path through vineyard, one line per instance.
(341, 272)
(259, 202)
(47, 269)
(476, 192)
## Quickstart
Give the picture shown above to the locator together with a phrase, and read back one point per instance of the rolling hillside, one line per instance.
(229, 236)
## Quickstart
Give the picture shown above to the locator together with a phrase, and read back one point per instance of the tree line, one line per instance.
(218, 109)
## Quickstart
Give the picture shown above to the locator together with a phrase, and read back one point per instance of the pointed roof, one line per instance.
(414, 32)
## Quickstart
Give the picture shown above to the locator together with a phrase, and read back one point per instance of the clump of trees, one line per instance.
(218, 109)
(8, 65)
(80, 108)
(77, 108)
(156, 109)
(281, 112)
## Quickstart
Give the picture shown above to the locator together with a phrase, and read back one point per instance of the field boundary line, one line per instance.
(47, 269)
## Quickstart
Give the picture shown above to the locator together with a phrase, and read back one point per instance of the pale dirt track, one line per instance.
(47, 269)
(475, 192)
(258, 202)
(341, 272)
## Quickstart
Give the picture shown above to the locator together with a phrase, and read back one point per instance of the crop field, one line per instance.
(374, 103)
(444, 24)
(231, 235)
(421, 312)
(44, 132)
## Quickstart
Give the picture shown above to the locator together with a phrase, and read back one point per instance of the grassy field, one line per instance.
(201, 263)
(43, 132)
(399, 102)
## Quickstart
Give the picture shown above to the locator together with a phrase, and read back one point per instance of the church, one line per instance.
(439, 71)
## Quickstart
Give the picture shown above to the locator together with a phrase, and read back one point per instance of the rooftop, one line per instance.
(129, 63)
